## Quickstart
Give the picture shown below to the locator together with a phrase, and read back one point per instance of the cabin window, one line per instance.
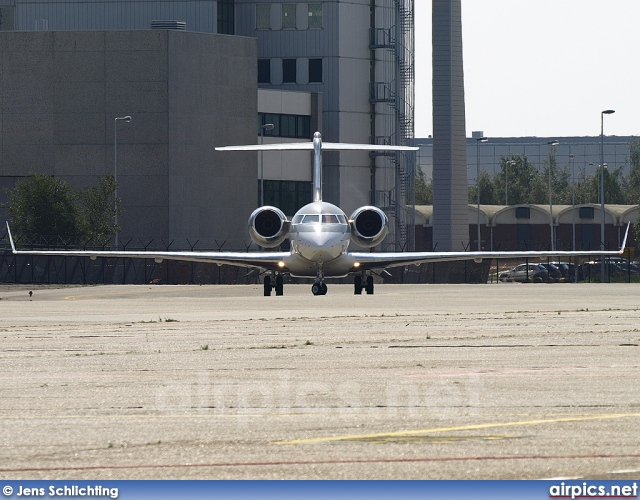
(310, 219)
(329, 219)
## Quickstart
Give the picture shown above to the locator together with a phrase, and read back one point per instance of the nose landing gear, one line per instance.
(319, 288)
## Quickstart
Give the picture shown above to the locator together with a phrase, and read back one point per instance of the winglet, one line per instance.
(624, 241)
(13, 246)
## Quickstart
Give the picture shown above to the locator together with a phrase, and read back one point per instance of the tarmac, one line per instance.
(496, 381)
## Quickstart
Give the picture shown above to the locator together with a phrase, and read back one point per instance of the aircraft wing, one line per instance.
(260, 260)
(382, 260)
(373, 260)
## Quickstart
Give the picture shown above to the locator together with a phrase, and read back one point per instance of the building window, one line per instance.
(303, 125)
(523, 213)
(263, 16)
(226, 20)
(288, 125)
(289, 16)
(288, 196)
(294, 126)
(315, 15)
(273, 119)
(587, 213)
(264, 70)
(315, 70)
(289, 71)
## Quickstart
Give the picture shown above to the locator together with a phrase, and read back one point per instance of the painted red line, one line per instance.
(314, 462)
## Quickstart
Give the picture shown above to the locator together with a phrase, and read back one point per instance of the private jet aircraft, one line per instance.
(319, 235)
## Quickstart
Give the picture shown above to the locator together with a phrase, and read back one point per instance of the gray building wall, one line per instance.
(186, 93)
(199, 15)
(451, 231)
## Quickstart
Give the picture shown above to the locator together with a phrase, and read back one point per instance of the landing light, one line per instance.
(356, 264)
(280, 264)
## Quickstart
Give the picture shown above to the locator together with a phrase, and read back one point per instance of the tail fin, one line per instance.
(317, 146)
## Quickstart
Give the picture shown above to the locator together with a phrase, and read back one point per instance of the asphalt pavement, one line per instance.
(497, 381)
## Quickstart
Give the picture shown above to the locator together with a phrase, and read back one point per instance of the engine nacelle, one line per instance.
(368, 226)
(268, 226)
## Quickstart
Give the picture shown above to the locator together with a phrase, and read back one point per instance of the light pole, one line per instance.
(506, 182)
(478, 141)
(126, 119)
(573, 204)
(573, 216)
(266, 126)
(602, 113)
(551, 144)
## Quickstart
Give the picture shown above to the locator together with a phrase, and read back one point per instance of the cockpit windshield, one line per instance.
(315, 218)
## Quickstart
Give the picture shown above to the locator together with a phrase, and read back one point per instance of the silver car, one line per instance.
(523, 271)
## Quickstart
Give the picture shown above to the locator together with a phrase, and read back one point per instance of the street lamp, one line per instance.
(126, 119)
(506, 182)
(602, 113)
(478, 141)
(551, 143)
(266, 126)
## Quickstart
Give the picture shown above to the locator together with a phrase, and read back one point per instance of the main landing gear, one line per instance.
(268, 286)
(358, 285)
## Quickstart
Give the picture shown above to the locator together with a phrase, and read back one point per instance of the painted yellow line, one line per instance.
(460, 428)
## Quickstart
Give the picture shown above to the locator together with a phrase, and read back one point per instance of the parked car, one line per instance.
(520, 273)
(554, 273)
(568, 270)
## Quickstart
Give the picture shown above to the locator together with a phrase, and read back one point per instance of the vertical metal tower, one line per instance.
(392, 98)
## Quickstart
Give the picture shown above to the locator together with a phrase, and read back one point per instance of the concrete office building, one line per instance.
(357, 54)
(186, 93)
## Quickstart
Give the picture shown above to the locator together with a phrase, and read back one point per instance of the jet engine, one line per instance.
(368, 226)
(268, 226)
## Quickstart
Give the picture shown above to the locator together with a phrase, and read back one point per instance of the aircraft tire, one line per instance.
(267, 286)
(318, 288)
(369, 286)
(279, 285)
(357, 285)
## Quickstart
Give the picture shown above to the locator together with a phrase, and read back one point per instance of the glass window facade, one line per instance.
(294, 126)
(288, 196)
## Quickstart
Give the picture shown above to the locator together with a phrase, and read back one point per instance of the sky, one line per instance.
(542, 68)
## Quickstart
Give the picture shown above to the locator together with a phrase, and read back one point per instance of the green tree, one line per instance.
(525, 183)
(45, 207)
(632, 185)
(613, 190)
(487, 194)
(424, 189)
(42, 206)
(98, 210)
